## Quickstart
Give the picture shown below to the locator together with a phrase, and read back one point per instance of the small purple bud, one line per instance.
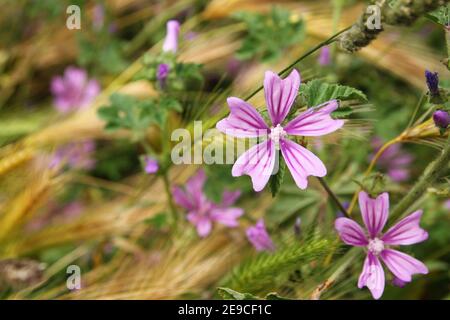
(325, 56)
(441, 119)
(162, 72)
(151, 165)
(432, 79)
(171, 41)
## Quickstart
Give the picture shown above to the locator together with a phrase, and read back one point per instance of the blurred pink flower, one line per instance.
(77, 155)
(394, 160)
(259, 237)
(73, 90)
(202, 212)
(324, 56)
(171, 40)
(405, 232)
(151, 165)
(259, 161)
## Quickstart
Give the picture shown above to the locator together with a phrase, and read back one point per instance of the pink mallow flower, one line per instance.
(202, 212)
(171, 40)
(259, 161)
(73, 90)
(77, 155)
(259, 237)
(407, 231)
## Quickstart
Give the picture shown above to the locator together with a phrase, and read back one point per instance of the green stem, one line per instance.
(305, 55)
(173, 209)
(433, 172)
(333, 196)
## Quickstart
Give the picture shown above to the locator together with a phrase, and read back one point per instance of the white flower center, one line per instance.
(375, 246)
(276, 133)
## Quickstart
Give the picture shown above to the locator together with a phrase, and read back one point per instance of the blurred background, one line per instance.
(73, 193)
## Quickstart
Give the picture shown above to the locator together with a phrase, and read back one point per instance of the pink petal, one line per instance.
(374, 212)
(243, 121)
(227, 216)
(204, 227)
(403, 266)
(372, 276)
(280, 94)
(195, 184)
(259, 237)
(315, 121)
(406, 231)
(57, 85)
(301, 162)
(182, 198)
(258, 162)
(229, 198)
(350, 232)
(75, 78)
(91, 91)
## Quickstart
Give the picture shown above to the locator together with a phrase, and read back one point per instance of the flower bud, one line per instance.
(441, 119)
(171, 41)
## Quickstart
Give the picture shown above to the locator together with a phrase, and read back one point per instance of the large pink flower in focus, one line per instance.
(259, 161)
(202, 212)
(407, 231)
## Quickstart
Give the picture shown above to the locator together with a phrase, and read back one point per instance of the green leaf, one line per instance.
(229, 294)
(317, 92)
(342, 113)
(275, 296)
(268, 35)
(441, 15)
(276, 180)
(262, 272)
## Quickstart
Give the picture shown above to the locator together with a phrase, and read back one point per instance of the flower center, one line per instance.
(276, 133)
(375, 246)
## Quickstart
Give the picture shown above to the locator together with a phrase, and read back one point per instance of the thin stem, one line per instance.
(418, 106)
(432, 173)
(333, 196)
(305, 55)
(369, 170)
(173, 210)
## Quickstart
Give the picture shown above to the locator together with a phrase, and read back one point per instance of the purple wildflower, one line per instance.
(394, 160)
(73, 90)
(151, 165)
(405, 232)
(162, 73)
(259, 161)
(171, 40)
(432, 79)
(259, 237)
(441, 119)
(202, 212)
(77, 155)
(324, 56)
